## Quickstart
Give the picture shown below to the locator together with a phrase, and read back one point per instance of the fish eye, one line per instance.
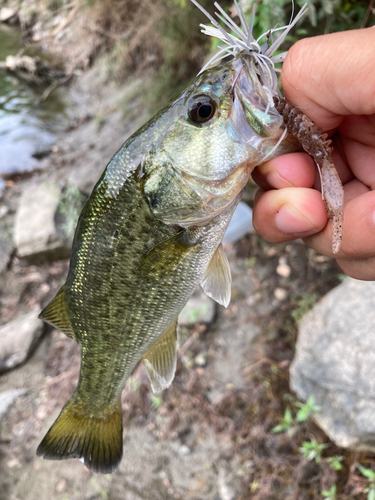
(202, 109)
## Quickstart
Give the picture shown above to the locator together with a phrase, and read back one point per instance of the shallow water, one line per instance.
(27, 127)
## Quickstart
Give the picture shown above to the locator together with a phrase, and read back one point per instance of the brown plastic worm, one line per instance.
(315, 143)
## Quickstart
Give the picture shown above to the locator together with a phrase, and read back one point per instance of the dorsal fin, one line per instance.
(56, 314)
(217, 283)
(160, 361)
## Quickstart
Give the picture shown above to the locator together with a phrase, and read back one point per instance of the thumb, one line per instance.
(331, 76)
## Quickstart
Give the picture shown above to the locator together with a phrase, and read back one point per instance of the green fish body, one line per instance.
(148, 236)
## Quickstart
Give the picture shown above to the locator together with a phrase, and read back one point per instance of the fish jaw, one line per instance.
(254, 115)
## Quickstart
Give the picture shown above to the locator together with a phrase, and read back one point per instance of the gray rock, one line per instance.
(18, 339)
(70, 205)
(7, 398)
(7, 15)
(240, 224)
(36, 235)
(3, 211)
(199, 309)
(225, 488)
(6, 244)
(335, 362)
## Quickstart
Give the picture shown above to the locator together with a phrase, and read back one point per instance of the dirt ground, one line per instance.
(210, 436)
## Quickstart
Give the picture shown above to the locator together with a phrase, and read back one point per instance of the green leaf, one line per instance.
(286, 423)
(312, 450)
(156, 402)
(331, 493)
(306, 410)
(335, 462)
(370, 474)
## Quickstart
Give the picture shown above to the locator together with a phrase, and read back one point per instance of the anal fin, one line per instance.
(56, 314)
(217, 283)
(160, 361)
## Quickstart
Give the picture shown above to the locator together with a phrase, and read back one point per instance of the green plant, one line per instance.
(102, 491)
(181, 3)
(304, 304)
(254, 486)
(312, 450)
(331, 493)
(55, 5)
(306, 410)
(250, 262)
(335, 462)
(194, 315)
(370, 475)
(99, 121)
(286, 424)
(156, 402)
(134, 385)
(322, 17)
(274, 369)
(341, 276)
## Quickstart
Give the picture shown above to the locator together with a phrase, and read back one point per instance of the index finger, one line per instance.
(332, 76)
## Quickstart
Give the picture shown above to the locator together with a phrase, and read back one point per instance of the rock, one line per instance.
(283, 269)
(8, 15)
(70, 205)
(280, 294)
(3, 211)
(200, 359)
(240, 224)
(7, 398)
(60, 486)
(335, 362)
(18, 339)
(6, 244)
(184, 450)
(199, 309)
(32, 69)
(226, 491)
(36, 235)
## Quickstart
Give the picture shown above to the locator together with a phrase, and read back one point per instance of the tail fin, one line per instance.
(78, 434)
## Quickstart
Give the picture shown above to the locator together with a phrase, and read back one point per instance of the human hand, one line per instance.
(332, 77)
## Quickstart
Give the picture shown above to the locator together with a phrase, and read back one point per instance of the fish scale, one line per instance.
(131, 311)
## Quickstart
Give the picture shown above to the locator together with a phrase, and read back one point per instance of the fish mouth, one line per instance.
(253, 100)
(253, 112)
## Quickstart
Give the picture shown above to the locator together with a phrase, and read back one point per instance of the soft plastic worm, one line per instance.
(314, 142)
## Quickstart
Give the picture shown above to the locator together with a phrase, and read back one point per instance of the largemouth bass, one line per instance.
(148, 236)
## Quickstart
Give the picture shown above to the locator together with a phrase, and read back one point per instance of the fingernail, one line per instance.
(290, 221)
(274, 179)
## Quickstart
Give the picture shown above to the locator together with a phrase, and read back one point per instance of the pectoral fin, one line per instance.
(165, 257)
(217, 283)
(160, 361)
(56, 314)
